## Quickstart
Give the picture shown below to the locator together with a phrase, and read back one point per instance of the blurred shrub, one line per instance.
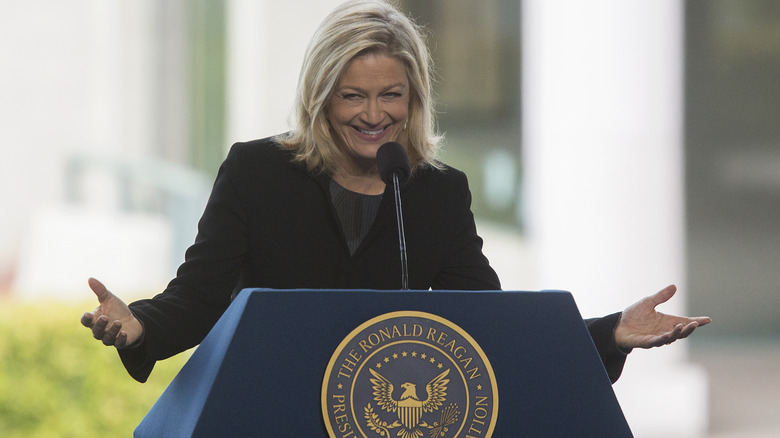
(57, 381)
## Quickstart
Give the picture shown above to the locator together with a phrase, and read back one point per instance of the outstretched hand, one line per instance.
(112, 321)
(641, 326)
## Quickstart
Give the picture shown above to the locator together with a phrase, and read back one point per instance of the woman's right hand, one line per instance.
(112, 321)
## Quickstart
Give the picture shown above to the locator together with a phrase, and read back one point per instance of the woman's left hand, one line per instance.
(641, 326)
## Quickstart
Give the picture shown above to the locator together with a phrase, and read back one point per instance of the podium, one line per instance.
(260, 370)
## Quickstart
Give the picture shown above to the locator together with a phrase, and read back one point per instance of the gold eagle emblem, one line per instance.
(409, 407)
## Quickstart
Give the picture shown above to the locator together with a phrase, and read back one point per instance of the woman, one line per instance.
(307, 209)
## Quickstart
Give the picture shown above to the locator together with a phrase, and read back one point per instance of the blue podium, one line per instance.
(280, 362)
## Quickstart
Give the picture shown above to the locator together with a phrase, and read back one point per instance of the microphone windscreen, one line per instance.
(391, 158)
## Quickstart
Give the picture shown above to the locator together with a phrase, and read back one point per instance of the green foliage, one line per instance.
(56, 380)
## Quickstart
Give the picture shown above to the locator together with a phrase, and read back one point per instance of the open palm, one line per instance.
(642, 326)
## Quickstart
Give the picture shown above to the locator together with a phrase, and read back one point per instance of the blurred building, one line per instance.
(115, 116)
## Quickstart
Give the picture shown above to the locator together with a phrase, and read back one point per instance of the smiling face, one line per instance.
(369, 107)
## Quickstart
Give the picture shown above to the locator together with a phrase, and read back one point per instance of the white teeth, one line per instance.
(363, 131)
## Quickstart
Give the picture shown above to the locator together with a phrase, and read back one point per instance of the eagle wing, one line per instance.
(383, 392)
(437, 392)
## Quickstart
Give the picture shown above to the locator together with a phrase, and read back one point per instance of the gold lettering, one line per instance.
(440, 339)
(349, 365)
(342, 420)
(417, 330)
(340, 405)
(344, 427)
(451, 346)
(459, 352)
(473, 373)
(385, 333)
(473, 429)
(397, 332)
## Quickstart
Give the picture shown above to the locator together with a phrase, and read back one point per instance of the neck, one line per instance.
(360, 176)
(367, 184)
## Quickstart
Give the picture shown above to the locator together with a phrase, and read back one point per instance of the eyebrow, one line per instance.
(360, 90)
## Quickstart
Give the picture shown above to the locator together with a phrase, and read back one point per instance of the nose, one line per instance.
(373, 113)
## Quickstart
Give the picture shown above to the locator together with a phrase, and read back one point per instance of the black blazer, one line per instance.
(270, 223)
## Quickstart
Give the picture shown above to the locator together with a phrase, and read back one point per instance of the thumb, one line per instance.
(99, 289)
(664, 295)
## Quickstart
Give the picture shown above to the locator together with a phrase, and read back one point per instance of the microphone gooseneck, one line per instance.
(393, 165)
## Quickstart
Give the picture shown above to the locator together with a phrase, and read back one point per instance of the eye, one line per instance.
(392, 95)
(350, 96)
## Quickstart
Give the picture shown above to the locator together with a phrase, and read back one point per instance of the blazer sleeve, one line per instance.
(602, 331)
(182, 315)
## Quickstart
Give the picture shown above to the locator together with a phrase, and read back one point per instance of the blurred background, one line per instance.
(115, 115)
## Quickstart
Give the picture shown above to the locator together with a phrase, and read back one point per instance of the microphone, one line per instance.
(391, 159)
(393, 165)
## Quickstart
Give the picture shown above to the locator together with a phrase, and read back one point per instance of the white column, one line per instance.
(266, 42)
(603, 163)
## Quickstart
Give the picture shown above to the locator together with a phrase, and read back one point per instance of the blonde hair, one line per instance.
(356, 28)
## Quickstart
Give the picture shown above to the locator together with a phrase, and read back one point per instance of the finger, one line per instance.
(109, 337)
(121, 340)
(99, 289)
(688, 329)
(675, 333)
(87, 319)
(667, 338)
(99, 327)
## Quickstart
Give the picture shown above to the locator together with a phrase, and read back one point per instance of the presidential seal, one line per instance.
(411, 375)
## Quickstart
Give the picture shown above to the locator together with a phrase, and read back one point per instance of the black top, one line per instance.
(270, 223)
(356, 213)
